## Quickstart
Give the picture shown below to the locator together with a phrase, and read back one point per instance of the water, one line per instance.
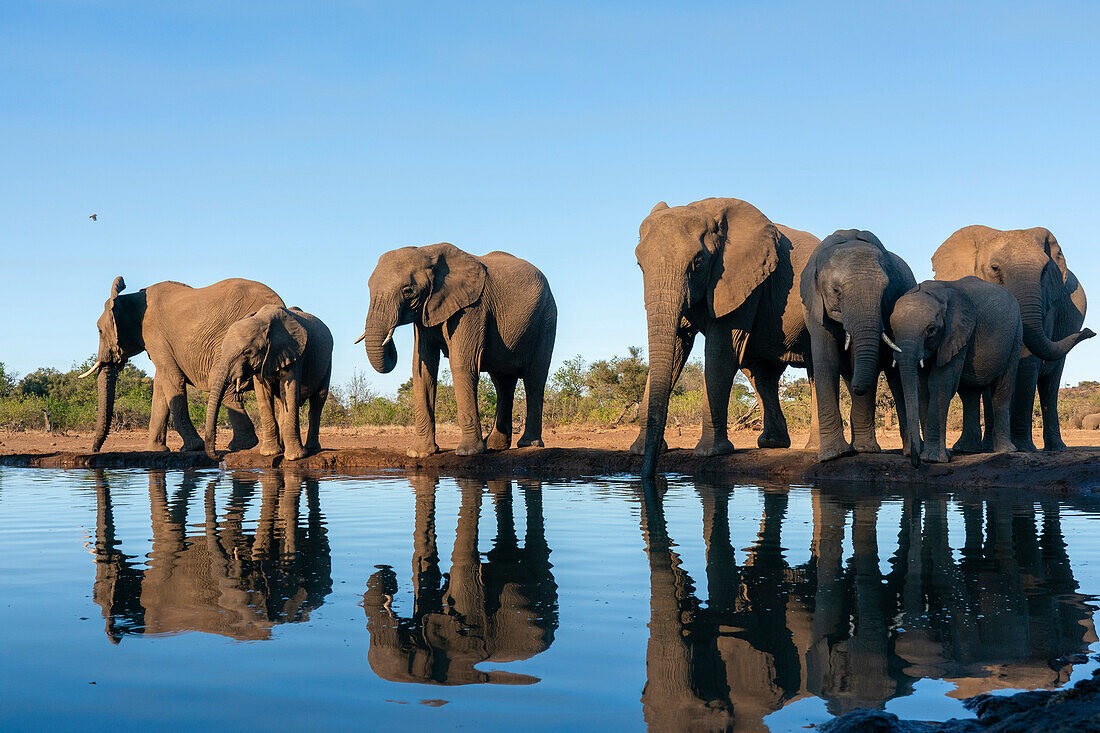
(148, 599)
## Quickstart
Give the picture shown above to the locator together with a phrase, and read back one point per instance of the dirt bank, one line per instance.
(593, 452)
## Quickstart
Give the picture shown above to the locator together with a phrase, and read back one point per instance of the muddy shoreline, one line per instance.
(1074, 472)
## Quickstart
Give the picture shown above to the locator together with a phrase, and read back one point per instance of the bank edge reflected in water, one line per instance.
(1000, 610)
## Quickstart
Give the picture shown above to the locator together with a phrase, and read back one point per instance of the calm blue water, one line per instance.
(151, 599)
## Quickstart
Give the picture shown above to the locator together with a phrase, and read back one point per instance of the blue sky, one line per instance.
(293, 143)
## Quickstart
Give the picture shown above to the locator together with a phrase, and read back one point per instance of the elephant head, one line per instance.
(425, 285)
(851, 278)
(930, 322)
(120, 337)
(259, 345)
(1027, 263)
(708, 256)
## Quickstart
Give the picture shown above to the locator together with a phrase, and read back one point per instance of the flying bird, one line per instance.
(94, 217)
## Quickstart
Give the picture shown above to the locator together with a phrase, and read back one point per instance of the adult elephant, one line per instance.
(719, 267)
(849, 287)
(1091, 422)
(1029, 264)
(181, 328)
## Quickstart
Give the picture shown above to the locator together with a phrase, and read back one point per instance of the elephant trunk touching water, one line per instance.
(663, 313)
(219, 385)
(105, 405)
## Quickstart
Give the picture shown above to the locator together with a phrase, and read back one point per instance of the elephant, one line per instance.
(493, 313)
(719, 267)
(287, 355)
(1091, 422)
(848, 289)
(969, 332)
(181, 328)
(1029, 264)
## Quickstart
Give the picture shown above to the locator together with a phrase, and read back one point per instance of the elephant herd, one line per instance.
(994, 327)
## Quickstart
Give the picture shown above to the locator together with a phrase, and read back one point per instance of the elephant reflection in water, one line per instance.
(1004, 613)
(223, 581)
(500, 609)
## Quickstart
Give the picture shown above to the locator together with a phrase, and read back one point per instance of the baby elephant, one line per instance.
(287, 356)
(957, 336)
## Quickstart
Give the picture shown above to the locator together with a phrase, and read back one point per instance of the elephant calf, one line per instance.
(287, 354)
(957, 336)
(493, 313)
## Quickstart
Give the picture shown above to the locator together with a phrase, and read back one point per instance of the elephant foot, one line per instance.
(270, 449)
(832, 450)
(713, 447)
(1025, 444)
(968, 444)
(313, 446)
(866, 445)
(470, 447)
(935, 455)
(1054, 444)
(638, 446)
(422, 450)
(499, 441)
(243, 442)
(193, 446)
(531, 440)
(295, 454)
(1003, 445)
(153, 447)
(773, 440)
(811, 443)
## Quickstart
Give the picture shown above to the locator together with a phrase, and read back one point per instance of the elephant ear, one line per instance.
(959, 320)
(1053, 249)
(458, 281)
(957, 257)
(748, 252)
(286, 340)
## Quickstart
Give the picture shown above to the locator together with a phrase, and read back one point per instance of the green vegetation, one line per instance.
(605, 392)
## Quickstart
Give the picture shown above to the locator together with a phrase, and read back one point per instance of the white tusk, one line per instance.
(389, 337)
(847, 340)
(890, 343)
(237, 386)
(893, 363)
(95, 368)
(922, 363)
(361, 337)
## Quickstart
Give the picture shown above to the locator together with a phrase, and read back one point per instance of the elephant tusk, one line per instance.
(890, 343)
(893, 363)
(847, 340)
(361, 337)
(95, 368)
(389, 337)
(237, 386)
(921, 362)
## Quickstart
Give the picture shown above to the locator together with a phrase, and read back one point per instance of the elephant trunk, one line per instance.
(1028, 295)
(378, 335)
(663, 309)
(865, 327)
(910, 387)
(219, 383)
(105, 407)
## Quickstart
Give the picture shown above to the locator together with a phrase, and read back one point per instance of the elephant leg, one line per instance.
(289, 422)
(815, 428)
(501, 437)
(943, 382)
(1048, 401)
(465, 378)
(175, 389)
(998, 413)
(425, 376)
(765, 380)
(244, 433)
(269, 428)
(685, 340)
(831, 441)
(988, 439)
(158, 420)
(316, 407)
(863, 419)
(893, 381)
(722, 357)
(534, 387)
(971, 439)
(1023, 404)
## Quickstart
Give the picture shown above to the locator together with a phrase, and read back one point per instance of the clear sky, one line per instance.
(293, 142)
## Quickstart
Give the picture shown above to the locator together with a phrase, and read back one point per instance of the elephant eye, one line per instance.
(995, 268)
(407, 291)
(697, 261)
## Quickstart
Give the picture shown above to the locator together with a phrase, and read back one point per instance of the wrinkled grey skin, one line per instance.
(287, 356)
(957, 336)
(181, 328)
(849, 286)
(1091, 422)
(1029, 264)
(721, 268)
(493, 313)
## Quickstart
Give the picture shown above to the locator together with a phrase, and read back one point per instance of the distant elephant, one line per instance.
(956, 336)
(493, 313)
(1029, 264)
(287, 355)
(848, 288)
(1091, 422)
(181, 328)
(721, 268)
